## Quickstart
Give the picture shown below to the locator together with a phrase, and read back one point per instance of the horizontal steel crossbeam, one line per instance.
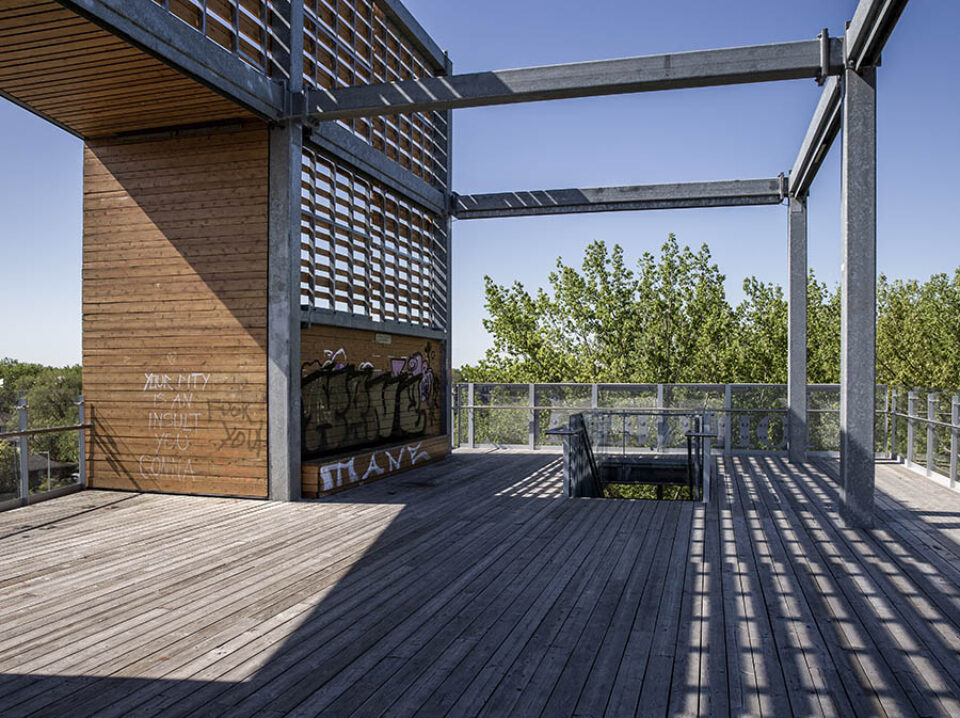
(759, 63)
(733, 193)
(821, 133)
(872, 23)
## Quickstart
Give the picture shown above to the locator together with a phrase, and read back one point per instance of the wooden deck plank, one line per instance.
(470, 587)
(433, 651)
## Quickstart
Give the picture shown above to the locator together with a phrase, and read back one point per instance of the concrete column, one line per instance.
(283, 316)
(797, 330)
(859, 297)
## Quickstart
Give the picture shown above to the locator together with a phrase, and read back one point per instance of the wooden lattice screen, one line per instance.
(240, 26)
(352, 42)
(367, 250)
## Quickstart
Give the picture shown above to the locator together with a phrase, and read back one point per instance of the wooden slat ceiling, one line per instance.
(73, 72)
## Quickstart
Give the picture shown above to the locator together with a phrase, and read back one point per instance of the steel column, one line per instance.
(448, 220)
(797, 331)
(859, 298)
(283, 315)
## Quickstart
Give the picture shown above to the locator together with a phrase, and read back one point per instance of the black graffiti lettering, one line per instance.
(346, 406)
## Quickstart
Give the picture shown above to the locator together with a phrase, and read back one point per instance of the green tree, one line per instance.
(50, 393)
(918, 332)
(605, 322)
(823, 332)
(760, 345)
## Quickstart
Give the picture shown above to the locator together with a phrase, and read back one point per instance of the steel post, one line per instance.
(893, 424)
(532, 431)
(661, 419)
(954, 439)
(82, 448)
(728, 420)
(931, 434)
(911, 425)
(471, 437)
(859, 294)
(707, 455)
(24, 446)
(797, 330)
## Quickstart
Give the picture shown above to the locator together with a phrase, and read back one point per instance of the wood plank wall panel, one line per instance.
(77, 74)
(175, 311)
(372, 405)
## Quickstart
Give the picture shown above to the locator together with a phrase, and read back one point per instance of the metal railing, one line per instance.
(608, 447)
(925, 439)
(748, 418)
(21, 483)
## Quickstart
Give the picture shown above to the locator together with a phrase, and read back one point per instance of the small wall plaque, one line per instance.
(384, 339)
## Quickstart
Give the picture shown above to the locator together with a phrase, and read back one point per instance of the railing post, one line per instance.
(24, 444)
(893, 424)
(707, 458)
(728, 422)
(911, 412)
(470, 434)
(886, 421)
(532, 432)
(931, 434)
(595, 396)
(954, 439)
(82, 455)
(661, 423)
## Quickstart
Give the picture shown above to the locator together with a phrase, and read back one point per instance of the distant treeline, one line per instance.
(51, 393)
(669, 320)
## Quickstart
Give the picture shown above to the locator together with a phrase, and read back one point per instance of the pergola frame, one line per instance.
(299, 113)
(847, 69)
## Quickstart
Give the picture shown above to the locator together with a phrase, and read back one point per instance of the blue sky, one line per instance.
(701, 134)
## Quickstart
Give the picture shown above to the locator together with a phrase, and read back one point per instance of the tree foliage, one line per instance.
(668, 321)
(51, 394)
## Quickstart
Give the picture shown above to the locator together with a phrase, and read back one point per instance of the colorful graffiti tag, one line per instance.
(354, 406)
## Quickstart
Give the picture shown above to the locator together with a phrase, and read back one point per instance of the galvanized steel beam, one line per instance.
(283, 274)
(153, 29)
(858, 330)
(869, 30)
(821, 133)
(797, 330)
(734, 193)
(759, 63)
(330, 318)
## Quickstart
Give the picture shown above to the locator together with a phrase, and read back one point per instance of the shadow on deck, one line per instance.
(471, 587)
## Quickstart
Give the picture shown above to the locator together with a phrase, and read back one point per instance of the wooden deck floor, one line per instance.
(471, 588)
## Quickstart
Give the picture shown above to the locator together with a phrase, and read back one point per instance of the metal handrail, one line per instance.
(918, 417)
(48, 430)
